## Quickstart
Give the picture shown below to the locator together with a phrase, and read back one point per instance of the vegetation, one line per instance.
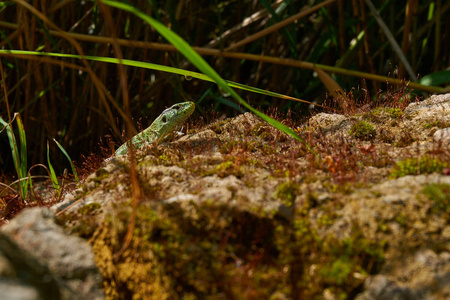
(420, 165)
(363, 130)
(440, 194)
(62, 102)
(81, 80)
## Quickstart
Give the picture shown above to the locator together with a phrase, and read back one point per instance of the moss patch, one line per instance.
(363, 130)
(440, 194)
(414, 166)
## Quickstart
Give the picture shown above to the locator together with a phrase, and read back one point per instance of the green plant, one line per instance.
(440, 194)
(363, 130)
(438, 124)
(19, 154)
(53, 177)
(287, 192)
(74, 170)
(420, 165)
(395, 113)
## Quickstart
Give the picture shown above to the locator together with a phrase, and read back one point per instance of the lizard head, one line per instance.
(172, 117)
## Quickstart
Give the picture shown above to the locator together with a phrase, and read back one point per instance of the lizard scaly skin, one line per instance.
(161, 127)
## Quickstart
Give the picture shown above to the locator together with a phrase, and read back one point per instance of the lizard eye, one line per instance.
(164, 119)
(177, 107)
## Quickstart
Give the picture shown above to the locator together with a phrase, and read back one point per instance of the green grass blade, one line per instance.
(12, 141)
(146, 65)
(203, 66)
(23, 154)
(23, 147)
(17, 159)
(52, 171)
(75, 174)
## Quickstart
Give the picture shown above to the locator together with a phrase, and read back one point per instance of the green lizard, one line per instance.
(161, 127)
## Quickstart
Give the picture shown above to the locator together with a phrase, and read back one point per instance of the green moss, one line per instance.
(438, 124)
(421, 165)
(395, 113)
(100, 174)
(346, 188)
(440, 194)
(287, 192)
(82, 223)
(225, 169)
(317, 263)
(90, 208)
(376, 114)
(337, 272)
(163, 158)
(363, 130)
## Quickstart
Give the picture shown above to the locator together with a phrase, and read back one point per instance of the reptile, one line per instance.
(163, 125)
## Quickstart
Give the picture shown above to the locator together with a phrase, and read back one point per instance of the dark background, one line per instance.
(58, 98)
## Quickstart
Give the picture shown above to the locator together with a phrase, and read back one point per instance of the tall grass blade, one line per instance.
(52, 172)
(75, 174)
(19, 158)
(23, 147)
(140, 64)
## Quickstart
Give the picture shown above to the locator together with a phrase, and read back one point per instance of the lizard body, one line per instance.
(161, 126)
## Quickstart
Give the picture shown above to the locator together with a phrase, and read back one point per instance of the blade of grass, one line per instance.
(75, 174)
(53, 177)
(260, 58)
(156, 67)
(203, 66)
(23, 147)
(18, 158)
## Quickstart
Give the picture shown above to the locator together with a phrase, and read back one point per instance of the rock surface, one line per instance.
(239, 209)
(40, 261)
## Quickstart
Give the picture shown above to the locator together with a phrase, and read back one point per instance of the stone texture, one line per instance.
(43, 257)
(235, 168)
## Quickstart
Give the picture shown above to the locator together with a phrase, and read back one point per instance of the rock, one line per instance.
(380, 288)
(43, 259)
(16, 290)
(329, 122)
(429, 279)
(432, 106)
(442, 136)
(239, 210)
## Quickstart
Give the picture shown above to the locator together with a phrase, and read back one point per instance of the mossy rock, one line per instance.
(363, 130)
(198, 250)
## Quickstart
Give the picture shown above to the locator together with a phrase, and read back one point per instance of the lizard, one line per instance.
(162, 126)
